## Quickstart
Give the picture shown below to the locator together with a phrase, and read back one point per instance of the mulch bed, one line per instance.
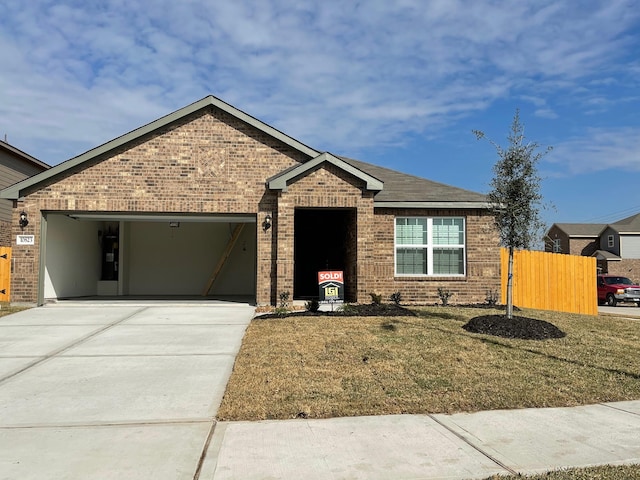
(518, 327)
(496, 325)
(364, 310)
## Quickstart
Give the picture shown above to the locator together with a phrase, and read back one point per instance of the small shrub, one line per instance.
(283, 307)
(396, 297)
(312, 305)
(376, 298)
(492, 297)
(444, 295)
(348, 309)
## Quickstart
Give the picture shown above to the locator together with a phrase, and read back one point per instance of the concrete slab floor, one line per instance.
(128, 339)
(63, 315)
(77, 390)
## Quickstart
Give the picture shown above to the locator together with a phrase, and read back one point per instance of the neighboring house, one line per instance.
(574, 238)
(616, 246)
(15, 165)
(211, 201)
(619, 252)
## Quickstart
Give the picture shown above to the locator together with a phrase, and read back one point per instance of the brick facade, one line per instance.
(5, 234)
(585, 247)
(212, 162)
(328, 187)
(627, 267)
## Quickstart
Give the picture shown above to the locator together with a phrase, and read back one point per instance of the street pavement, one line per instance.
(629, 310)
(130, 390)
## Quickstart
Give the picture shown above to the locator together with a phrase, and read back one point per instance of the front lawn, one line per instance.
(328, 366)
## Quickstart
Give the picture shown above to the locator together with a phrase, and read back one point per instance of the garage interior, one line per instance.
(111, 255)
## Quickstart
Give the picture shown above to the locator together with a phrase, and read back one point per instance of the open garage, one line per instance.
(98, 254)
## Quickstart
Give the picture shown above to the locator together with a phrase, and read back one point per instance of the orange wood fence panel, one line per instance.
(551, 281)
(5, 273)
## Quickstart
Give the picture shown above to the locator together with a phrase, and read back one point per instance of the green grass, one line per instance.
(321, 367)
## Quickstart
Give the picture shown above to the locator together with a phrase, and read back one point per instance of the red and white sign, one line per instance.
(330, 277)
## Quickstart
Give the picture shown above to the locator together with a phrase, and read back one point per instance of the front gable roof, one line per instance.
(282, 180)
(14, 192)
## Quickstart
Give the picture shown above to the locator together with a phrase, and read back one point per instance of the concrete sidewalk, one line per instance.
(461, 446)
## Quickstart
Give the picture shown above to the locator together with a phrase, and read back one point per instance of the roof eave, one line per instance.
(434, 205)
(281, 181)
(23, 155)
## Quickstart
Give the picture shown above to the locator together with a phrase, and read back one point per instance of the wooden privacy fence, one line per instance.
(551, 281)
(5, 273)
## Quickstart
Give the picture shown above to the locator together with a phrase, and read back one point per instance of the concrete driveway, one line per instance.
(119, 391)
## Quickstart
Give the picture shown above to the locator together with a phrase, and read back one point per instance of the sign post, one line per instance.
(331, 287)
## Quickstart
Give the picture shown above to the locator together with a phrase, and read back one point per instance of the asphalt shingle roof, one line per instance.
(401, 187)
(627, 225)
(581, 229)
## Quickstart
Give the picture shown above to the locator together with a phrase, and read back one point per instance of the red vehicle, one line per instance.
(613, 289)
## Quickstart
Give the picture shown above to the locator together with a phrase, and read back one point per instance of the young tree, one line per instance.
(515, 198)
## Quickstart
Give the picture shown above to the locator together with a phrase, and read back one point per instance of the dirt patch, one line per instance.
(518, 327)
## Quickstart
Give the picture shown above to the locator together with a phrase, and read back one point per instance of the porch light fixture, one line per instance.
(266, 225)
(23, 222)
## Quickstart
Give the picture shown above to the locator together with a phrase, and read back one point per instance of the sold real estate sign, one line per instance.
(331, 285)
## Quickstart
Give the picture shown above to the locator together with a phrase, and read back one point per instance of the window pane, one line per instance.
(448, 231)
(411, 261)
(411, 231)
(448, 261)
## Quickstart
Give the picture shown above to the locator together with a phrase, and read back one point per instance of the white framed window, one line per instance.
(557, 245)
(610, 243)
(430, 246)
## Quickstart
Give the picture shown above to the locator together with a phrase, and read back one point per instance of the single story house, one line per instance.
(15, 165)
(209, 201)
(616, 246)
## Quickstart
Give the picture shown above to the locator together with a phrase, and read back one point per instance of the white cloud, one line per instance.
(599, 149)
(334, 74)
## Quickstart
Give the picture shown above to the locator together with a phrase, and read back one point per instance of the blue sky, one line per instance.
(398, 83)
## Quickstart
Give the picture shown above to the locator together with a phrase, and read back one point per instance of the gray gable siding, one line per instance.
(604, 241)
(13, 169)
